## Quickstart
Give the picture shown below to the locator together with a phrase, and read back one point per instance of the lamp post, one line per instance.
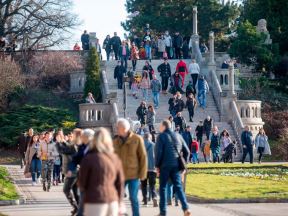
(126, 80)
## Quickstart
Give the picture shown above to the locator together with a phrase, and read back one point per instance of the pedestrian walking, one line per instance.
(148, 67)
(168, 148)
(119, 73)
(181, 67)
(141, 112)
(180, 121)
(23, 141)
(131, 150)
(194, 70)
(134, 55)
(176, 83)
(262, 144)
(85, 40)
(188, 137)
(135, 88)
(215, 144)
(165, 73)
(151, 174)
(107, 46)
(203, 89)
(191, 105)
(116, 43)
(225, 140)
(156, 88)
(145, 85)
(124, 54)
(247, 144)
(207, 126)
(151, 118)
(194, 151)
(102, 193)
(190, 89)
(207, 151)
(199, 132)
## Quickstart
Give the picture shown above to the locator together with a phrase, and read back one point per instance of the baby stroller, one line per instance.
(229, 151)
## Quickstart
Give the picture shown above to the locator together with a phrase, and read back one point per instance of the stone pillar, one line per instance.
(195, 21)
(211, 48)
(231, 79)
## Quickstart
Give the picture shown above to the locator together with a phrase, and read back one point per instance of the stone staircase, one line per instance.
(162, 112)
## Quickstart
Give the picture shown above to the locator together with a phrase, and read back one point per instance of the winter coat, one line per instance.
(150, 146)
(247, 139)
(164, 70)
(23, 142)
(178, 41)
(199, 131)
(141, 112)
(223, 144)
(115, 41)
(156, 85)
(215, 143)
(67, 151)
(190, 89)
(161, 45)
(194, 147)
(166, 155)
(191, 103)
(207, 125)
(187, 137)
(107, 45)
(134, 53)
(203, 86)
(151, 117)
(180, 121)
(119, 72)
(174, 81)
(31, 151)
(48, 151)
(150, 71)
(127, 51)
(267, 150)
(77, 158)
(132, 153)
(179, 105)
(168, 41)
(182, 67)
(85, 39)
(145, 83)
(194, 68)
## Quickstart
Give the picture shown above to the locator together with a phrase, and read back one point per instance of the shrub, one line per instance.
(93, 80)
(41, 118)
(10, 79)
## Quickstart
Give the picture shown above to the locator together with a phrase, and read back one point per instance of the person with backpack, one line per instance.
(165, 73)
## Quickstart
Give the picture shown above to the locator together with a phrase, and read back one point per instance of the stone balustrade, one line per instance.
(236, 121)
(98, 115)
(77, 82)
(224, 79)
(216, 91)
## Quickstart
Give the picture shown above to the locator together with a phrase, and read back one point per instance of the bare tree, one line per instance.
(37, 24)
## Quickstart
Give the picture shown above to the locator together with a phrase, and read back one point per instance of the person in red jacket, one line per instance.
(194, 150)
(182, 69)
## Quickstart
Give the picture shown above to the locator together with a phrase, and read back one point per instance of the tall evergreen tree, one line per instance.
(93, 79)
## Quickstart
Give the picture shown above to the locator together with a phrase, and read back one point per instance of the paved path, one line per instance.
(41, 203)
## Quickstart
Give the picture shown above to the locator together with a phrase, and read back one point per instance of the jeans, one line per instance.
(80, 205)
(165, 83)
(174, 174)
(191, 114)
(156, 99)
(108, 54)
(47, 168)
(247, 150)
(70, 184)
(116, 51)
(169, 192)
(260, 151)
(194, 80)
(195, 158)
(151, 179)
(133, 187)
(177, 52)
(35, 168)
(124, 60)
(56, 172)
(148, 51)
(119, 82)
(152, 132)
(216, 157)
(202, 98)
(145, 94)
(134, 63)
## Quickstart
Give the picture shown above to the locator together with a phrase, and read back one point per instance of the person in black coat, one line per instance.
(208, 124)
(85, 40)
(190, 89)
(199, 133)
(187, 137)
(172, 103)
(180, 121)
(247, 143)
(115, 42)
(107, 46)
(190, 105)
(23, 142)
(141, 112)
(165, 72)
(119, 72)
(177, 43)
(179, 105)
(148, 67)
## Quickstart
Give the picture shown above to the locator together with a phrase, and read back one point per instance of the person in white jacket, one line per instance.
(194, 70)
(168, 44)
(262, 145)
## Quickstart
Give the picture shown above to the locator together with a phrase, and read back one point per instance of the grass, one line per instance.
(7, 188)
(235, 181)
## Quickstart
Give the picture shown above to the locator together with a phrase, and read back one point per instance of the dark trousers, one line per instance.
(165, 83)
(191, 114)
(216, 157)
(56, 173)
(151, 179)
(168, 52)
(152, 132)
(70, 185)
(22, 159)
(124, 62)
(116, 52)
(134, 63)
(260, 151)
(199, 140)
(194, 80)
(108, 54)
(120, 83)
(177, 53)
(247, 150)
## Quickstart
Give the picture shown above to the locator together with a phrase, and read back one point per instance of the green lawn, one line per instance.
(235, 181)
(7, 188)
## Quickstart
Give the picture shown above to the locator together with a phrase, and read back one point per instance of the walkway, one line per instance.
(41, 203)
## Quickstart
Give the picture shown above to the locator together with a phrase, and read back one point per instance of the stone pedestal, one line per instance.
(211, 48)
(195, 21)
(92, 39)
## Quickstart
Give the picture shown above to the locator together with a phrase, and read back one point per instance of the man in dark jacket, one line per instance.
(23, 141)
(199, 134)
(85, 40)
(247, 143)
(119, 72)
(180, 105)
(172, 103)
(208, 124)
(165, 72)
(168, 147)
(107, 46)
(177, 43)
(141, 112)
(116, 43)
(180, 121)
(187, 137)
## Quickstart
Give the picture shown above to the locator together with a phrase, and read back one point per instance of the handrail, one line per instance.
(237, 122)
(105, 87)
(216, 90)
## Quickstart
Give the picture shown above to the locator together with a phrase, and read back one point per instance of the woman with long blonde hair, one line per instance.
(101, 177)
(262, 144)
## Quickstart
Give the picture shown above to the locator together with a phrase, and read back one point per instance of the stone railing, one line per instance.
(250, 113)
(77, 82)
(107, 95)
(236, 122)
(216, 91)
(98, 115)
(224, 79)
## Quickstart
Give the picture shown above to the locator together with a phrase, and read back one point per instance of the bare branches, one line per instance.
(37, 23)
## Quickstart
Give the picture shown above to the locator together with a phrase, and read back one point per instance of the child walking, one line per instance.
(194, 150)
(207, 150)
(134, 88)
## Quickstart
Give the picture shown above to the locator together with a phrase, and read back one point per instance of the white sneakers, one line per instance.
(34, 183)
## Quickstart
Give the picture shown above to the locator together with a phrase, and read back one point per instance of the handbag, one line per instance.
(181, 161)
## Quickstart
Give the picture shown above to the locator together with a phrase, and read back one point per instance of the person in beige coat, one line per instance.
(32, 159)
